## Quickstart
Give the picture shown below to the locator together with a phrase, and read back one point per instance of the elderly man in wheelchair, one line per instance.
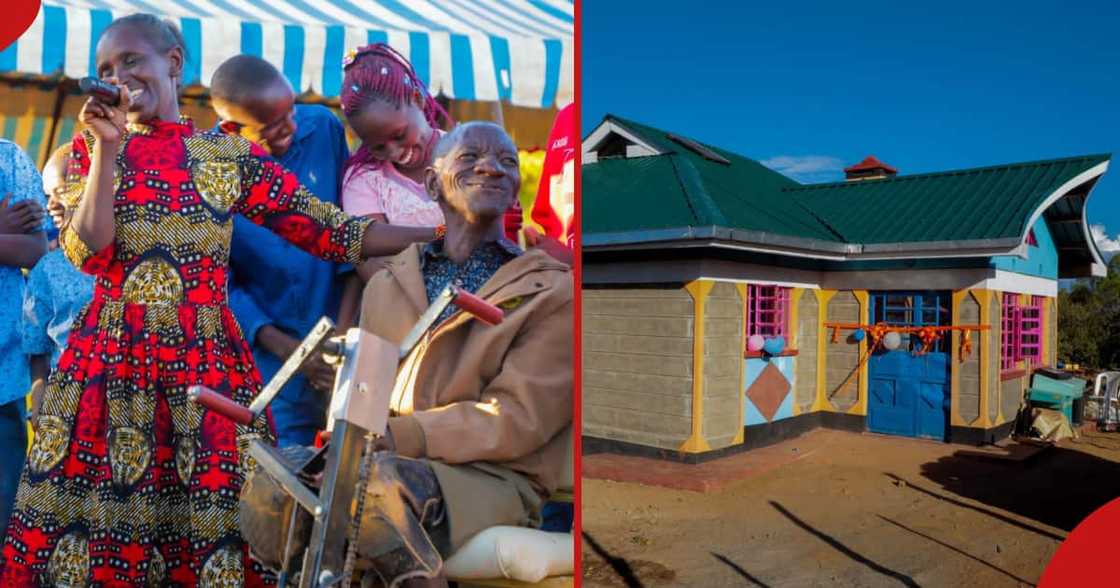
(448, 483)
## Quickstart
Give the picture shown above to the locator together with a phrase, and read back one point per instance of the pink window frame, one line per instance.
(767, 310)
(1009, 332)
(1030, 331)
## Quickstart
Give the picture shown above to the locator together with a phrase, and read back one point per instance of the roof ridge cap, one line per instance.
(699, 201)
(820, 219)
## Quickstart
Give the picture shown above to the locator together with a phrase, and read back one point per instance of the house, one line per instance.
(726, 306)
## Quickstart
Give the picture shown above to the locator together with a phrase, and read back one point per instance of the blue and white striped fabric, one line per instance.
(519, 51)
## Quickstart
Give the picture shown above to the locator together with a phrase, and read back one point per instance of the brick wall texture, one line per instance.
(842, 357)
(723, 362)
(968, 393)
(637, 365)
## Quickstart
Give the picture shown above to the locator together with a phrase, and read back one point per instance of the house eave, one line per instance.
(763, 242)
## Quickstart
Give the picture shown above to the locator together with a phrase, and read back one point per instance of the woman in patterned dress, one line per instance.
(129, 483)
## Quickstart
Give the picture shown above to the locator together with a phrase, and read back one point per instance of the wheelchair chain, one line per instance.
(356, 521)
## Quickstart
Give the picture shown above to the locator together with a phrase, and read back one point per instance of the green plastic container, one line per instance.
(1050, 390)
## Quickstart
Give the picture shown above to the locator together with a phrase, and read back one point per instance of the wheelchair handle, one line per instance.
(221, 405)
(481, 309)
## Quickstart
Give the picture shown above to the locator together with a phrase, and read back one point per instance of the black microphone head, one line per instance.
(103, 91)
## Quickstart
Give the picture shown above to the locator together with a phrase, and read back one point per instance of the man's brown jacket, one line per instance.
(471, 392)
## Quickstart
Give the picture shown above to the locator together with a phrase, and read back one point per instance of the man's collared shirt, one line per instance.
(19, 178)
(275, 283)
(439, 270)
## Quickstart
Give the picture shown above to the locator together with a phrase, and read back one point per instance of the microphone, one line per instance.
(103, 91)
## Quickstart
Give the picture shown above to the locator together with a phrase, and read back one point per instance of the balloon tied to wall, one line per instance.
(769, 346)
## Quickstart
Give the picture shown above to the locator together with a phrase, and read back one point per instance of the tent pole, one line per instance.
(60, 98)
(497, 114)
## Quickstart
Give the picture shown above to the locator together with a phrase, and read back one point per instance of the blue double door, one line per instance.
(909, 386)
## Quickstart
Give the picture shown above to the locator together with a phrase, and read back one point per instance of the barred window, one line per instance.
(1030, 331)
(1009, 332)
(1021, 335)
(767, 310)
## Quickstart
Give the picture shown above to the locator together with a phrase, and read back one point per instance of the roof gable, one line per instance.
(717, 188)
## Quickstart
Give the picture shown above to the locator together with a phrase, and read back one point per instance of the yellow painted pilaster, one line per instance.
(794, 339)
(823, 296)
(742, 288)
(860, 407)
(955, 342)
(984, 297)
(699, 290)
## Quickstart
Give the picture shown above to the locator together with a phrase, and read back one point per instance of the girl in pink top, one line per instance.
(389, 196)
(398, 123)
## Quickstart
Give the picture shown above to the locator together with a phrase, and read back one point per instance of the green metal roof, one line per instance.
(682, 195)
(986, 203)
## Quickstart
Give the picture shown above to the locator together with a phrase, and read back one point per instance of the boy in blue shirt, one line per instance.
(278, 292)
(56, 292)
(22, 243)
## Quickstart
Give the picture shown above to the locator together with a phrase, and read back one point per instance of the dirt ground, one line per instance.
(853, 510)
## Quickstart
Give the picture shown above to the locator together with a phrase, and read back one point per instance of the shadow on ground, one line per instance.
(738, 569)
(845, 549)
(957, 514)
(1059, 487)
(605, 569)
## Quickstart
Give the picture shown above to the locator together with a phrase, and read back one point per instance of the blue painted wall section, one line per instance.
(757, 398)
(1041, 261)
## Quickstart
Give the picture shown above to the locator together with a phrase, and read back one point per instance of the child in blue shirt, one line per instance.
(276, 291)
(22, 243)
(56, 291)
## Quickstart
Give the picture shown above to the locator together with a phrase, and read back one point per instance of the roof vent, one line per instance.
(869, 169)
(699, 149)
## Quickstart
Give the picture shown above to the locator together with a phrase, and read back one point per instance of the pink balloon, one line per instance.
(755, 342)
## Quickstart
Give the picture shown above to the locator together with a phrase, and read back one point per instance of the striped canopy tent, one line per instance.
(518, 53)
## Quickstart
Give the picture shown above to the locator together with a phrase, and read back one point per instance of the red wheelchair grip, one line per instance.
(220, 404)
(478, 307)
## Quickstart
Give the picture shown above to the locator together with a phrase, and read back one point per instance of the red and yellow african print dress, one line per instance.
(128, 483)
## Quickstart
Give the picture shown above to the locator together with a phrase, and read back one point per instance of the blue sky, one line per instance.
(810, 87)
